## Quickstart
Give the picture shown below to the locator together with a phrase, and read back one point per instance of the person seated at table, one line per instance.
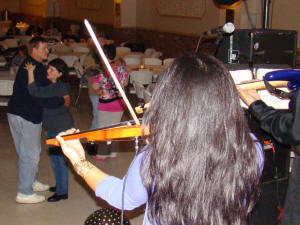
(111, 105)
(53, 30)
(21, 54)
(201, 166)
(55, 120)
(13, 30)
(34, 29)
(69, 37)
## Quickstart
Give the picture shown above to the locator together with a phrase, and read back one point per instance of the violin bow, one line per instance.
(110, 70)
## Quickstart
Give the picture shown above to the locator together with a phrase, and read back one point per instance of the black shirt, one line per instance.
(284, 125)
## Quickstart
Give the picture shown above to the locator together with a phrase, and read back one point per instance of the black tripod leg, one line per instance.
(79, 92)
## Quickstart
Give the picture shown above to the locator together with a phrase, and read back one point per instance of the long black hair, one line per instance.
(202, 166)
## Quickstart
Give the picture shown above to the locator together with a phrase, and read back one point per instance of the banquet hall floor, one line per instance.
(81, 202)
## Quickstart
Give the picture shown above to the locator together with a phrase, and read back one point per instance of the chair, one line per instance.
(147, 95)
(152, 62)
(80, 48)
(168, 61)
(79, 69)
(75, 28)
(138, 55)
(132, 61)
(82, 58)
(120, 51)
(148, 52)
(156, 54)
(52, 56)
(3, 61)
(6, 90)
(139, 89)
(62, 48)
(141, 76)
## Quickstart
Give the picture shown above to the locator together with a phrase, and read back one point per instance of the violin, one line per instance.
(122, 131)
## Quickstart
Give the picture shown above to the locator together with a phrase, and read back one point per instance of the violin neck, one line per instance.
(259, 85)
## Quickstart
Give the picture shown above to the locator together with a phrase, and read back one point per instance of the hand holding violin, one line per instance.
(75, 153)
(72, 148)
(248, 96)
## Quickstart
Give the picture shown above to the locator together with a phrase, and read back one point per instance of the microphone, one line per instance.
(227, 28)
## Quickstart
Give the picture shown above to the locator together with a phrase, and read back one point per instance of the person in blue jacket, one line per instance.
(201, 166)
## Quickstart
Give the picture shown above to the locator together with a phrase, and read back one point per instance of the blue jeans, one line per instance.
(59, 166)
(94, 100)
(27, 140)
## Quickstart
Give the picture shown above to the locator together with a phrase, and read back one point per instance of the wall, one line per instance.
(286, 15)
(129, 13)
(66, 9)
(103, 14)
(149, 18)
(33, 7)
(10, 5)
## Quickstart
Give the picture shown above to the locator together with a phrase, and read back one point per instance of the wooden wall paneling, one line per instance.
(181, 8)
(89, 4)
(34, 2)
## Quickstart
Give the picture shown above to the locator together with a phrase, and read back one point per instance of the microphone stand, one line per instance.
(219, 39)
(198, 44)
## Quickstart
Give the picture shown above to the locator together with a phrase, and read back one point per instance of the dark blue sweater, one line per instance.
(22, 103)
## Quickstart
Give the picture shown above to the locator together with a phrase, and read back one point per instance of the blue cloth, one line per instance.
(22, 103)
(135, 195)
(59, 166)
(94, 100)
(27, 140)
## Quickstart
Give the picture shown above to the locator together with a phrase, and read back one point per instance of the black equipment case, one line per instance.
(259, 46)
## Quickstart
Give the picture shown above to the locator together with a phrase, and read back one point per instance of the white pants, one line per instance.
(108, 118)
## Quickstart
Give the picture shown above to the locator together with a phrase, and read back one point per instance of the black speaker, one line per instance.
(259, 47)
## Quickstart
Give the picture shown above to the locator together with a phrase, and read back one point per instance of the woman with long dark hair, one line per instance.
(201, 166)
